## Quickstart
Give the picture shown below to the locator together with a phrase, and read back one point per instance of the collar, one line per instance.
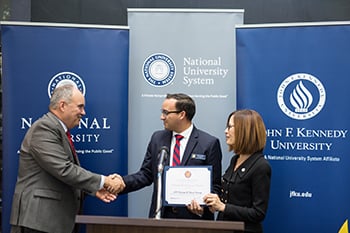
(186, 133)
(246, 165)
(61, 122)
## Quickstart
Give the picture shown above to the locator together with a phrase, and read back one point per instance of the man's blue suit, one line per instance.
(200, 143)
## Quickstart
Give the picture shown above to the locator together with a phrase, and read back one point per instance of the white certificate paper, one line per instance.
(182, 184)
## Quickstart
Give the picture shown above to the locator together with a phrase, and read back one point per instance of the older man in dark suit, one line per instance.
(197, 148)
(50, 180)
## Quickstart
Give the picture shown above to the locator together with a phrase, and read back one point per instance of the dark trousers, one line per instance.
(28, 230)
(19, 229)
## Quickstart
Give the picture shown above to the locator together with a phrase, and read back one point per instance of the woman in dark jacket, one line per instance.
(246, 182)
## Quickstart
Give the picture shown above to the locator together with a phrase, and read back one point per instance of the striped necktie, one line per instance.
(176, 154)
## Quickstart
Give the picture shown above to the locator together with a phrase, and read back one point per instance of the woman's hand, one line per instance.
(214, 203)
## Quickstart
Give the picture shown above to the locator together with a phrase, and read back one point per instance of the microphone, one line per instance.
(163, 155)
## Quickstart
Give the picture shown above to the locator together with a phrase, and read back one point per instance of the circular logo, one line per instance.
(65, 78)
(159, 70)
(188, 174)
(301, 96)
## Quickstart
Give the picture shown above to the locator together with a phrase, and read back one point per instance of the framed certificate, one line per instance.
(182, 184)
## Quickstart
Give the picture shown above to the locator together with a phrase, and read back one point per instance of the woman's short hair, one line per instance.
(250, 132)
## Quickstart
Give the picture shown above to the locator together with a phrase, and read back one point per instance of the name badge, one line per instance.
(199, 156)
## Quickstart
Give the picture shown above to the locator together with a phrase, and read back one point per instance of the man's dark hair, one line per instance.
(184, 103)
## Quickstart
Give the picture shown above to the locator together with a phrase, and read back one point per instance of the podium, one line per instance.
(109, 224)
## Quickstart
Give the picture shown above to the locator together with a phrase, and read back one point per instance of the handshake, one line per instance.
(113, 185)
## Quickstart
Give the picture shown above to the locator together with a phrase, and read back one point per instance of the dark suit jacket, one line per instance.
(198, 143)
(49, 182)
(246, 192)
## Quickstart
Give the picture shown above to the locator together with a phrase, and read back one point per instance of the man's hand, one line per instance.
(195, 208)
(105, 196)
(114, 183)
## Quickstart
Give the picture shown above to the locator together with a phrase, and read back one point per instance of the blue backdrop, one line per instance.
(296, 76)
(36, 58)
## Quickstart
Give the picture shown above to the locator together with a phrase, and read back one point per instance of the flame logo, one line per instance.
(301, 98)
(301, 106)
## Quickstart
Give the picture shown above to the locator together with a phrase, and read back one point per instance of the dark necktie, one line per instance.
(72, 146)
(176, 154)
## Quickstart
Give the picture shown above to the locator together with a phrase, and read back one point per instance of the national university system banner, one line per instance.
(297, 77)
(36, 58)
(188, 51)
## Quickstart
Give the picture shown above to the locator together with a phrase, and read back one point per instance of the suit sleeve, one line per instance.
(143, 177)
(47, 147)
(214, 159)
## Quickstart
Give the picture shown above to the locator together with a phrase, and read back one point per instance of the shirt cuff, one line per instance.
(102, 181)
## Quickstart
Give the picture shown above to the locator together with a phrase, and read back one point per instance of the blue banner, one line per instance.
(36, 57)
(296, 76)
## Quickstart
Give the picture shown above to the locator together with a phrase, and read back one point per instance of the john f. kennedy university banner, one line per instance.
(36, 59)
(297, 77)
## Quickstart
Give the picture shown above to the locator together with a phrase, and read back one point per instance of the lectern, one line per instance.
(109, 224)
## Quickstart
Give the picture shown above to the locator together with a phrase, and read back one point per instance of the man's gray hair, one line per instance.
(63, 92)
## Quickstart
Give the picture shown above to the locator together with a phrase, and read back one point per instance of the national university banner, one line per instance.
(296, 76)
(36, 58)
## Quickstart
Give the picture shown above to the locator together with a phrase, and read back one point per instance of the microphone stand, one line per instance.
(159, 190)
(162, 157)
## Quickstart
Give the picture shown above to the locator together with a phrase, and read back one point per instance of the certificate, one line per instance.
(182, 184)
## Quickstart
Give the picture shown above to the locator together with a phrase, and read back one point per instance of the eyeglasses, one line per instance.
(166, 112)
(229, 126)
